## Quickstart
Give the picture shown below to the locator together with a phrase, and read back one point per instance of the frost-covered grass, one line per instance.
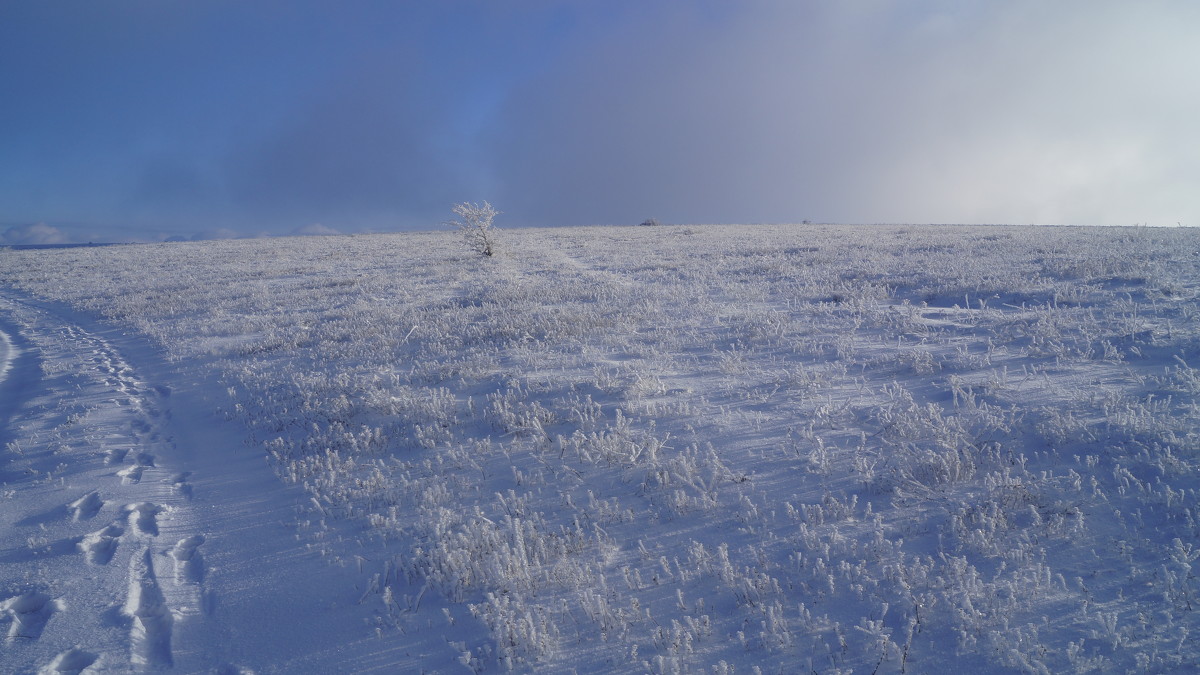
(711, 449)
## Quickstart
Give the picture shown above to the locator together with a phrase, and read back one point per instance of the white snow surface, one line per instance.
(664, 449)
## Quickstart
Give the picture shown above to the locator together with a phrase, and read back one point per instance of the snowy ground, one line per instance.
(661, 449)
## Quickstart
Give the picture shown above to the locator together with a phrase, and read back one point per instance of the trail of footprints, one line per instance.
(147, 607)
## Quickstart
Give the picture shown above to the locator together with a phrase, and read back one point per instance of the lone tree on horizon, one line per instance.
(475, 222)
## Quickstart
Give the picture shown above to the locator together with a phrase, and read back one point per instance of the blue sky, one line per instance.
(147, 119)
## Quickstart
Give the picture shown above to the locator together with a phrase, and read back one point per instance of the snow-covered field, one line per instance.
(661, 449)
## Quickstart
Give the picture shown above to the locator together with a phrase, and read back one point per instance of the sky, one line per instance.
(146, 120)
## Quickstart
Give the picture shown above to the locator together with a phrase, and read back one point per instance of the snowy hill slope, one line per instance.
(671, 449)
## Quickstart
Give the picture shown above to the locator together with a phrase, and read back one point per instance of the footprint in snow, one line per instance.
(30, 612)
(143, 517)
(99, 546)
(179, 483)
(74, 661)
(189, 564)
(133, 474)
(86, 506)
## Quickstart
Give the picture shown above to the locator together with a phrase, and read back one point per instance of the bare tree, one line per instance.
(475, 222)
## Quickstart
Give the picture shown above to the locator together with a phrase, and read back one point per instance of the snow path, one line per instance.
(91, 485)
(136, 533)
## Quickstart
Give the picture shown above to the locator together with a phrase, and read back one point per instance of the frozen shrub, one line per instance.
(475, 223)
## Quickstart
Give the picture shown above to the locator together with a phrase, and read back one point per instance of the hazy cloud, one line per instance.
(366, 146)
(153, 120)
(314, 230)
(36, 234)
(216, 233)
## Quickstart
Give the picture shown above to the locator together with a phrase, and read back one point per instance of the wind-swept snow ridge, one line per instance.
(6, 354)
(150, 618)
(674, 449)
